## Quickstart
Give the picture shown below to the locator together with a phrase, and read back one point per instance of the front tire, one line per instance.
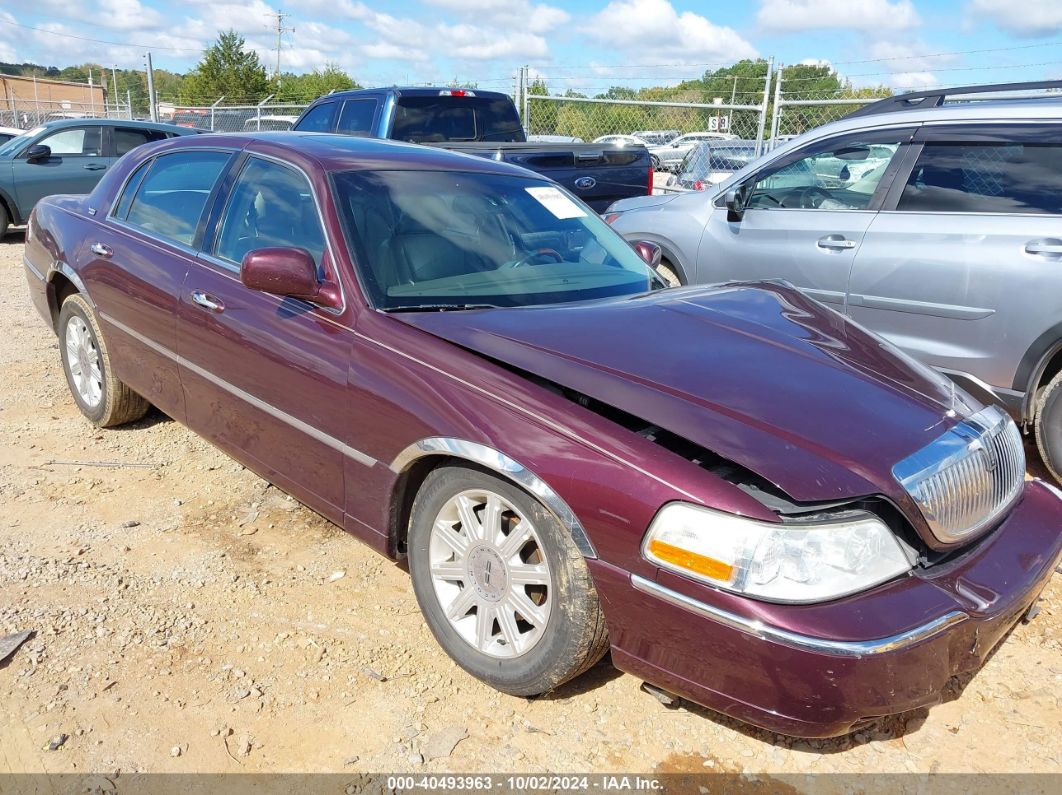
(1048, 427)
(501, 584)
(100, 396)
(670, 273)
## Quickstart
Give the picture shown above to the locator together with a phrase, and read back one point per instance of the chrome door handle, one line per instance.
(208, 302)
(95, 167)
(101, 250)
(835, 243)
(1048, 247)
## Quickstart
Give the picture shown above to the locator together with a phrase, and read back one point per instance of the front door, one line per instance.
(75, 165)
(265, 377)
(804, 216)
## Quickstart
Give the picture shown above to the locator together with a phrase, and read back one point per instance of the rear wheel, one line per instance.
(4, 222)
(100, 396)
(670, 273)
(501, 584)
(1049, 427)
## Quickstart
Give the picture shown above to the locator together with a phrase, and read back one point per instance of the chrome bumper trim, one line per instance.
(838, 648)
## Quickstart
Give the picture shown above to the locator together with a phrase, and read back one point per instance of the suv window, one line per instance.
(171, 195)
(318, 118)
(128, 138)
(841, 175)
(271, 205)
(985, 178)
(74, 141)
(432, 119)
(356, 117)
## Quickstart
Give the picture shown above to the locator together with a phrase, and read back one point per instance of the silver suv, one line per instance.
(937, 224)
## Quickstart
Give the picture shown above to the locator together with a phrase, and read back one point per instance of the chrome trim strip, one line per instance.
(795, 640)
(247, 397)
(498, 462)
(71, 274)
(32, 268)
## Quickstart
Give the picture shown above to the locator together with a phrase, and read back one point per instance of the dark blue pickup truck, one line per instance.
(483, 123)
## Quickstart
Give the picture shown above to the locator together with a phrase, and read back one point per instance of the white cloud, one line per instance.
(533, 17)
(865, 15)
(905, 66)
(652, 30)
(1027, 18)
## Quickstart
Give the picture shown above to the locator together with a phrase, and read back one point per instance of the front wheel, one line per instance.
(98, 393)
(501, 584)
(669, 273)
(1048, 426)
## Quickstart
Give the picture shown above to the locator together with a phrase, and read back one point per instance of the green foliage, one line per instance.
(227, 70)
(308, 87)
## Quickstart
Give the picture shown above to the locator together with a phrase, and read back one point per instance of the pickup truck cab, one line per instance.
(483, 123)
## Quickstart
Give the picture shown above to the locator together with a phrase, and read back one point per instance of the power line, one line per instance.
(103, 41)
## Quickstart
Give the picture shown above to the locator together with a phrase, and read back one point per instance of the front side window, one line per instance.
(271, 205)
(171, 195)
(129, 138)
(74, 141)
(431, 239)
(985, 178)
(317, 119)
(356, 117)
(836, 176)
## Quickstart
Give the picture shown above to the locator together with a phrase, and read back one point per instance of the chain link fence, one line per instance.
(233, 118)
(24, 114)
(794, 113)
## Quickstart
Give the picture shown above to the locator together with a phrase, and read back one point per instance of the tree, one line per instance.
(308, 87)
(226, 70)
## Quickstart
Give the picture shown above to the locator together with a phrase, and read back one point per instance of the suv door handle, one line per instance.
(207, 301)
(835, 243)
(95, 167)
(101, 250)
(1049, 247)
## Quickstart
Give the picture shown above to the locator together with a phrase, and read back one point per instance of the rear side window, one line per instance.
(128, 138)
(171, 195)
(435, 119)
(985, 178)
(356, 117)
(318, 118)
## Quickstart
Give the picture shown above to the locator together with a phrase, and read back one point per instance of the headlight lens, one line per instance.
(790, 562)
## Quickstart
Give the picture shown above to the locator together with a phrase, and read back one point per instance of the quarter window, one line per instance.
(317, 118)
(171, 196)
(985, 178)
(841, 176)
(356, 117)
(74, 141)
(271, 205)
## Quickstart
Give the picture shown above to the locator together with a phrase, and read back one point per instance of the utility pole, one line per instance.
(114, 85)
(280, 16)
(152, 107)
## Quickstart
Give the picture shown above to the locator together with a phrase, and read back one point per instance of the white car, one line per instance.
(621, 140)
(670, 156)
(7, 133)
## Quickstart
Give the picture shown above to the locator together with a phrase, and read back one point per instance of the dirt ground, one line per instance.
(189, 617)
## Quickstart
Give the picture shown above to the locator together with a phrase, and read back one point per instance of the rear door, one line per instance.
(76, 164)
(962, 267)
(799, 225)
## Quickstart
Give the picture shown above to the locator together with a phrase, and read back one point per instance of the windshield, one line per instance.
(19, 141)
(435, 119)
(445, 239)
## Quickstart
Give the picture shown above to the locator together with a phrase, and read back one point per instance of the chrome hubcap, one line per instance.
(490, 574)
(83, 360)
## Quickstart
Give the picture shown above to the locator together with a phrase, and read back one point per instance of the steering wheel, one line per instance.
(807, 197)
(528, 259)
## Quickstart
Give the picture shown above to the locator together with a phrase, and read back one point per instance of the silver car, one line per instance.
(937, 225)
(669, 156)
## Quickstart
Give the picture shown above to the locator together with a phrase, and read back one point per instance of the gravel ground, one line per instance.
(189, 617)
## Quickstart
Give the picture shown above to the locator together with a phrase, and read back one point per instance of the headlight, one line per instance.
(790, 562)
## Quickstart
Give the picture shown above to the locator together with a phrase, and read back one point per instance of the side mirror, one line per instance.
(288, 272)
(735, 206)
(38, 152)
(649, 252)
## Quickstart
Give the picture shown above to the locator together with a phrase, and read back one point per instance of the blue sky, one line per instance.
(582, 44)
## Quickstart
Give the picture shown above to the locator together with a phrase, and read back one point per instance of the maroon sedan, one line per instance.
(751, 501)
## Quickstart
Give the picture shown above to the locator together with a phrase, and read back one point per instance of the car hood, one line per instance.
(756, 373)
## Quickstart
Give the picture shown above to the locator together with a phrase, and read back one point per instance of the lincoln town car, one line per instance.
(775, 514)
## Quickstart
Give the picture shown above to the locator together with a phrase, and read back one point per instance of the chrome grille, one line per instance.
(968, 476)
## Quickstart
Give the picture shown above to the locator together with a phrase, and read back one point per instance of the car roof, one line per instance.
(412, 91)
(334, 152)
(95, 122)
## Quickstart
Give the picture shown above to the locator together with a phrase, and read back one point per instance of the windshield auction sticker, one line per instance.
(556, 202)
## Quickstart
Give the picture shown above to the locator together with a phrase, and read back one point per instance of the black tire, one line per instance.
(573, 637)
(117, 404)
(670, 273)
(5, 222)
(1048, 426)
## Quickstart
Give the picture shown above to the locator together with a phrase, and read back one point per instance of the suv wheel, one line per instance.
(501, 584)
(102, 398)
(670, 273)
(1049, 426)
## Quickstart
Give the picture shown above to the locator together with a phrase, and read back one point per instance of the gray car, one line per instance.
(939, 226)
(66, 156)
